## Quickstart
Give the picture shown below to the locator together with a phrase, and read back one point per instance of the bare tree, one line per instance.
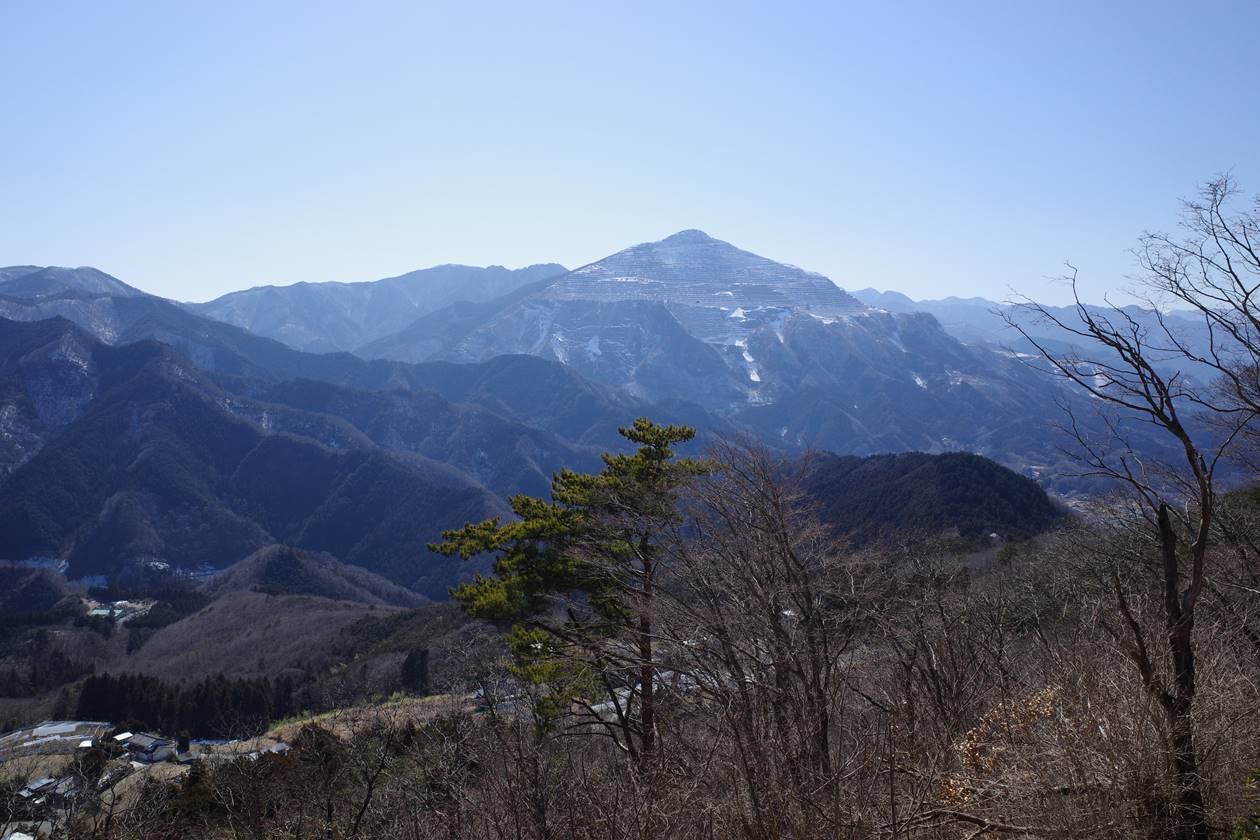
(1213, 271)
(761, 612)
(1142, 373)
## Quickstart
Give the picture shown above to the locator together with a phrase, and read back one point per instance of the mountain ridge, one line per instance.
(688, 329)
(50, 281)
(340, 316)
(586, 411)
(980, 321)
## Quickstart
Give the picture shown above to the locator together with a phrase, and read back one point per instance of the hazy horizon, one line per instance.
(196, 151)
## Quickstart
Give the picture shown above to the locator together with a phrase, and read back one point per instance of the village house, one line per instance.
(150, 749)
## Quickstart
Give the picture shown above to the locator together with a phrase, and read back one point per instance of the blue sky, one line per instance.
(933, 148)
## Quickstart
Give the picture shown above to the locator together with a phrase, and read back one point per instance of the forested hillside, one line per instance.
(917, 493)
(159, 467)
(283, 570)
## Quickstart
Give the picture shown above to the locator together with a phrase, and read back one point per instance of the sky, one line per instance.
(966, 148)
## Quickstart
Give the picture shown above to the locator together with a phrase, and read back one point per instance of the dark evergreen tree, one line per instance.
(415, 671)
(576, 578)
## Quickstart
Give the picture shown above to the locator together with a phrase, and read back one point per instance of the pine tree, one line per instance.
(576, 578)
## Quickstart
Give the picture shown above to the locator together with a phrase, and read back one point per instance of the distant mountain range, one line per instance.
(529, 390)
(688, 327)
(135, 430)
(327, 317)
(767, 347)
(981, 321)
(120, 457)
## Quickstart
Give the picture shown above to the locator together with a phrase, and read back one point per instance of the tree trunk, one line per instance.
(1191, 811)
(647, 667)
(647, 691)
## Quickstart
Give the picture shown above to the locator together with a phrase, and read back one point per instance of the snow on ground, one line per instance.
(557, 347)
(753, 373)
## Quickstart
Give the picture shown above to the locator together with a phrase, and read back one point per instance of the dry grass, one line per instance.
(344, 722)
(27, 768)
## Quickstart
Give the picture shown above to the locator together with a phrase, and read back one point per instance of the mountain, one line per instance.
(689, 329)
(51, 370)
(326, 317)
(429, 336)
(552, 396)
(47, 375)
(977, 320)
(890, 301)
(531, 391)
(126, 317)
(661, 320)
(506, 456)
(914, 492)
(283, 570)
(767, 347)
(214, 346)
(39, 282)
(251, 634)
(24, 590)
(161, 465)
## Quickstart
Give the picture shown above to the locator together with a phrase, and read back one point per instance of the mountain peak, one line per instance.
(717, 292)
(691, 236)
